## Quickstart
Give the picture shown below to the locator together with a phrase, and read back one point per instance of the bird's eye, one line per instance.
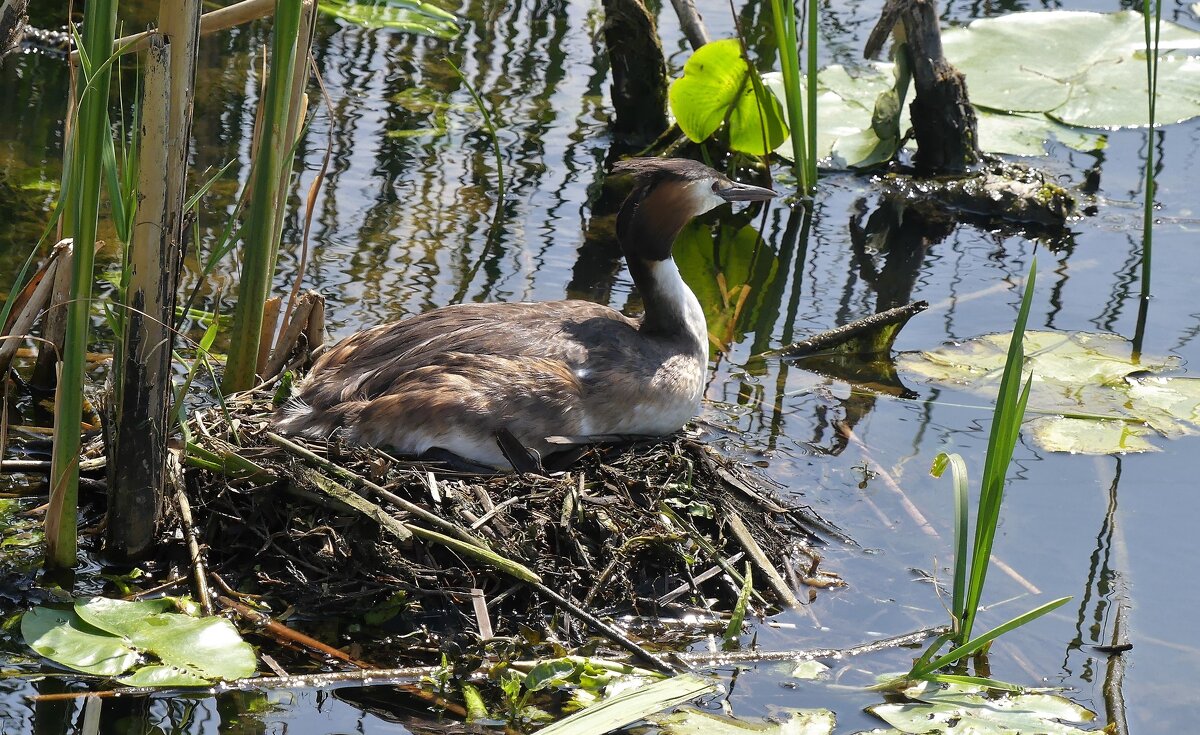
(716, 186)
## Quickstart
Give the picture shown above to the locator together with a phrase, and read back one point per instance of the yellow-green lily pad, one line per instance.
(1094, 398)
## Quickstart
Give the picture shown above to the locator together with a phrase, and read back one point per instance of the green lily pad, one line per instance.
(110, 637)
(65, 639)
(955, 709)
(692, 721)
(1095, 398)
(852, 109)
(717, 85)
(1081, 68)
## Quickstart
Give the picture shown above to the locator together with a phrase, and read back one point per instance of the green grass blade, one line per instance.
(734, 629)
(810, 161)
(1006, 426)
(962, 562)
(783, 16)
(87, 151)
(270, 173)
(977, 644)
(978, 681)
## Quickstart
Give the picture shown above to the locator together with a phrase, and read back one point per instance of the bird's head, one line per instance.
(667, 193)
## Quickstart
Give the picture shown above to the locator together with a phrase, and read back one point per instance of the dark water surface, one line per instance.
(402, 225)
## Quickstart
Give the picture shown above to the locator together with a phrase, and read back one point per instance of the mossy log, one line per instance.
(943, 121)
(995, 191)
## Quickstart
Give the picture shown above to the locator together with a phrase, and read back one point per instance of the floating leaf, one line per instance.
(811, 670)
(691, 721)
(65, 639)
(1080, 436)
(717, 86)
(956, 709)
(632, 706)
(411, 16)
(1081, 68)
(109, 637)
(850, 111)
(1106, 402)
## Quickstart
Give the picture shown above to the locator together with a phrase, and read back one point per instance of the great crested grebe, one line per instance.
(460, 377)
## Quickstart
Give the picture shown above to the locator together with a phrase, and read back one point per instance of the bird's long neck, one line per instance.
(647, 227)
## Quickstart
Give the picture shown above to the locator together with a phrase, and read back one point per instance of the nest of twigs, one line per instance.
(660, 531)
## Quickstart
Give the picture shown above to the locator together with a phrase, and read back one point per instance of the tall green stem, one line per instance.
(810, 87)
(269, 175)
(1151, 23)
(783, 15)
(99, 27)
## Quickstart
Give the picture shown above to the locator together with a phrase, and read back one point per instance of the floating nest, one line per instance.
(658, 536)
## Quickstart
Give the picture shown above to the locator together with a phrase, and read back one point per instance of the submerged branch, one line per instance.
(859, 336)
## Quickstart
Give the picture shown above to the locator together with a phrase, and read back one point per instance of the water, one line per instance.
(402, 225)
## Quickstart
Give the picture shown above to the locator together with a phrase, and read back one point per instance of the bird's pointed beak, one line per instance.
(736, 192)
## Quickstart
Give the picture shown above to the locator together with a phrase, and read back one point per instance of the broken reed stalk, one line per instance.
(85, 162)
(142, 374)
(34, 299)
(54, 320)
(271, 172)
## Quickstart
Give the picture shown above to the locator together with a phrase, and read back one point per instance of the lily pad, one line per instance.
(956, 709)
(110, 637)
(851, 112)
(63, 638)
(1096, 399)
(1081, 68)
(718, 85)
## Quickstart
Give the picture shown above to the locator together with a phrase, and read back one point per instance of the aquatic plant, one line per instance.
(270, 179)
(971, 565)
(1153, 36)
(804, 136)
(154, 177)
(82, 206)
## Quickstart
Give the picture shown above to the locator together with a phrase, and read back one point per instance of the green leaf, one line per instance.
(717, 85)
(161, 675)
(629, 707)
(65, 639)
(549, 673)
(1095, 398)
(1082, 436)
(960, 709)
(108, 637)
(1081, 68)
(860, 119)
(116, 617)
(810, 670)
(691, 721)
(731, 274)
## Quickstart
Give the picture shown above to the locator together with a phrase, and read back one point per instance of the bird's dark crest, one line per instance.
(657, 169)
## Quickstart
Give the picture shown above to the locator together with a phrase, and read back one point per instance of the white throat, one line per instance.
(674, 296)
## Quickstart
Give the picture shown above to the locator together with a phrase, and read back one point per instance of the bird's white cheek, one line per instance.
(703, 197)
